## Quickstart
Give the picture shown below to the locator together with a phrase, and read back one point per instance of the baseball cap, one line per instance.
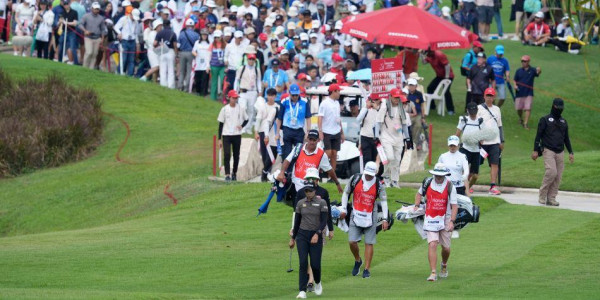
(228, 31)
(313, 133)
(294, 89)
(370, 168)
(95, 5)
(539, 14)
(249, 30)
(303, 36)
(218, 33)
(275, 62)
(251, 56)
(233, 8)
(301, 76)
(559, 103)
(309, 185)
(477, 44)
(306, 12)
(296, 37)
(238, 34)
(481, 54)
(499, 49)
(313, 35)
(284, 51)
(334, 87)
(348, 43)
(525, 58)
(472, 107)
(446, 11)
(291, 25)
(315, 24)
(336, 57)
(453, 140)
(136, 14)
(262, 36)
(224, 20)
(490, 91)
(124, 3)
(189, 22)
(339, 25)
(233, 94)
(412, 81)
(395, 93)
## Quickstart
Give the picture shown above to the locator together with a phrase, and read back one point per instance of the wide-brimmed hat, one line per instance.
(440, 170)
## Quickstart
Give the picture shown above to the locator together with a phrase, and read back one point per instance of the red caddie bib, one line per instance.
(305, 161)
(363, 204)
(435, 209)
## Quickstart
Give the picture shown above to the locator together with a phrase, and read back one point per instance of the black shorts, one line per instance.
(493, 153)
(474, 159)
(461, 190)
(332, 141)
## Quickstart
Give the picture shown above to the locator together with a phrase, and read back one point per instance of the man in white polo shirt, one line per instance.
(330, 124)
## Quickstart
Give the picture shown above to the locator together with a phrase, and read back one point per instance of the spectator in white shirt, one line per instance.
(203, 54)
(247, 8)
(234, 53)
(458, 165)
(232, 119)
(330, 124)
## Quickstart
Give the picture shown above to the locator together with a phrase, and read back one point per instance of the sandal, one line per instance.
(432, 277)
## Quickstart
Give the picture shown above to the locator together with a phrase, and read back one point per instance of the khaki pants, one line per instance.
(554, 164)
(91, 52)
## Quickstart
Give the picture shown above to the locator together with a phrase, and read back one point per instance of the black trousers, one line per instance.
(231, 141)
(305, 248)
(201, 79)
(369, 152)
(433, 85)
(264, 154)
(42, 49)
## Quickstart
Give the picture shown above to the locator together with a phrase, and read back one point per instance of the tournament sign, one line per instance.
(386, 75)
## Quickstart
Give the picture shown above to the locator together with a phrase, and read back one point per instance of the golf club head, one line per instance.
(290, 270)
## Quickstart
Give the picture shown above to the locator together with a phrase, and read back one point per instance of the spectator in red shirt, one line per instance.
(440, 64)
(337, 68)
(537, 32)
(410, 60)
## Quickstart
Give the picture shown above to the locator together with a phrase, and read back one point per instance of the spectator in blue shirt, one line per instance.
(294, 116)
(186, 41)
(524, 78)
(275, 78)
(501, 70)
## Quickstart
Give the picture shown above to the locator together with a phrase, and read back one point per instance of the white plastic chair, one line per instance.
(438, 96)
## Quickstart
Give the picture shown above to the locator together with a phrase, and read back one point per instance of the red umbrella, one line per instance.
(407, 26)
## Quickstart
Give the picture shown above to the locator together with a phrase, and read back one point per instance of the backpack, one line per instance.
(464, 72)
(427, 182)
(464, 119)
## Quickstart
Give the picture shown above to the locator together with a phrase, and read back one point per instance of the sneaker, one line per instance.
(366, 273)
(553, 203)
(234, 177)
(15, 53)
(318, 289)
(471, 191)
(227, 179)
(356, 268)
(494, 191)
(310, 287)
(444, 270)
(143, 78)
(450, 113)
(515, 38)
(455, 235)
(432, 277)
(24, 54)
(542, 201)
(301, 295)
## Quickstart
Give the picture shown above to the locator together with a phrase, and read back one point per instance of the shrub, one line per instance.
(45, 123)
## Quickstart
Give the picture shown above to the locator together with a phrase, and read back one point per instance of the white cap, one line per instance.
(125, 3)
(453, 140)
(440, 170)
(370, 168)
(228, 31)
(293, 11)
(339, 25)
(311, 172)
(327, 27)
(268, 23)
(136, 14)
(189, 22)
(412, 81)
(233, 8)
(313, 35)
(157, 23)
(284, 51)
(353, 10)
(348, 43)
(316, 24)
(303, 36)
(224, 20)
(211, 4)
(539, 14)
(238, 34)
(249, 30)
(291, 25)
(446, 11)
(217, 33)
(95, 5)
(279, 30)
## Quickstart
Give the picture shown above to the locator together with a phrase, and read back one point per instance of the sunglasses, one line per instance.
(524, 61)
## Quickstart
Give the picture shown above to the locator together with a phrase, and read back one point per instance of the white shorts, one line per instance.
(152, 59)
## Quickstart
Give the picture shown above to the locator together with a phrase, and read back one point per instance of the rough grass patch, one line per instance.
(45, 123)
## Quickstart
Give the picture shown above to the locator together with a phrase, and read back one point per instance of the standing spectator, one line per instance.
(232, 118)
(469, 128)
(153, 57)
(469, 13)
(247, 8)
(394, 130)
(365, 190)
(167, 41)
(410, 60)
(275, 78)
(418, 117)
(265, 131)
(309, 224)
(551, 138)
(217, 63)
(202, 53)
(94, 29)
(128, 30)
(24, 14)
(81, 10)
(293, 119)
(369, 129)
(68, 17)
(365, 62)
(330, 124)
(440, 214)
(260, 22)
(485, 13)
(519, 19)
(186, 41)
(457, 164)
(430, 6)
(492, 118)
(248, 83)
(349, 54)
(468, 61)
(501, 70)
(537, 33)
(524, 78)
(43, 20)
(498, 18)
(294, 70)
(480, 78)
(234, 52)
(440, 64)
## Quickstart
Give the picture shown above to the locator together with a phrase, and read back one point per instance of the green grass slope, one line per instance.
(214, 247)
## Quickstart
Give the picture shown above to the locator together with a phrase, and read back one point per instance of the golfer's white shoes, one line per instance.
(318, 289)
(301, 295)
(444, 271)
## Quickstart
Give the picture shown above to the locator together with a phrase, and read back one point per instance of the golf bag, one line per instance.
(335, 215)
